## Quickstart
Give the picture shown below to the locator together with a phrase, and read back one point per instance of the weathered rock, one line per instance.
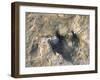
(40, 27)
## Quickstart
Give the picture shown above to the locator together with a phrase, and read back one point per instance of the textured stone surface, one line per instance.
(41, 27)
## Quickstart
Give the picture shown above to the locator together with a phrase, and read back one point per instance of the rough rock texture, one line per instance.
(41, 27)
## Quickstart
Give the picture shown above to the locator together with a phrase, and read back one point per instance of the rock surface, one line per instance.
(41, 27)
